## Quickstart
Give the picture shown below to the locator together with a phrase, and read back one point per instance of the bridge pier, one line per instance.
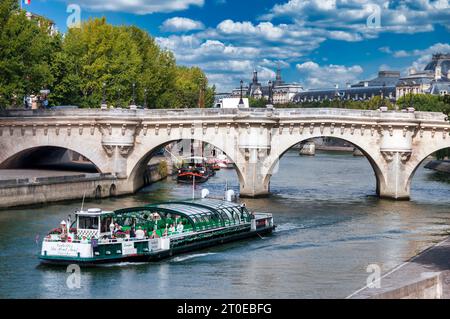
(253, 183)
(396, 180)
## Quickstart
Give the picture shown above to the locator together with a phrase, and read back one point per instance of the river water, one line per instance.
(330, 228)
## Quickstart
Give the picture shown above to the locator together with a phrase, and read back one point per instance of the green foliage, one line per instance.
(189, 90)
(96, 58)
(163, 169)
(443, 154)
(259, 103)
(100, 54)
(26, 51)
(426, 102)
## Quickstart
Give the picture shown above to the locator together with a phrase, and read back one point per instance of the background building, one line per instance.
(280, 91)
(43, 21)
(434, 79)
(384, 84)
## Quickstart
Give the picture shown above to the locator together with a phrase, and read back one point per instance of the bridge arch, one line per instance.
(372, 155)
(420, 157)
(142, 155)
(25, 157)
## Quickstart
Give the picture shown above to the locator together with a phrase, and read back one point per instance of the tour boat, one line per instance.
(150, 233)
(224, 162)
(195, 170)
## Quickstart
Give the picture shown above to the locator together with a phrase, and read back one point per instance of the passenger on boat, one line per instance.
(117, 228)
(172, 229)
(132, 232)
(140, 234)
(180, 227)
(154, 234)
(63, 231)
(84, 240)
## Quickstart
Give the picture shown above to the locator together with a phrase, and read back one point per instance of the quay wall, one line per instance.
(22, 192)
(157, 172)
(430, 287)
(44, 190)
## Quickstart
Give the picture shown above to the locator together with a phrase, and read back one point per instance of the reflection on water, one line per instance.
(331, 227)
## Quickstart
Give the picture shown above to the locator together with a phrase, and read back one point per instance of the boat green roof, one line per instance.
(197, 212)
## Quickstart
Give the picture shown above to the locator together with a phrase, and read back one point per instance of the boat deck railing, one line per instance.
(173, 236)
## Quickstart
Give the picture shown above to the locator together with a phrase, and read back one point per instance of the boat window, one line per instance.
(105, 222)
(87, 222)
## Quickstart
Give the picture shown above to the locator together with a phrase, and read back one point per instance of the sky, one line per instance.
(316, 43)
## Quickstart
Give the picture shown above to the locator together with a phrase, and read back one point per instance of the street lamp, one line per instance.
(241, 101)
(133, 102)
(104, 106)
(270, 92)
(411, 100)
(145, 98)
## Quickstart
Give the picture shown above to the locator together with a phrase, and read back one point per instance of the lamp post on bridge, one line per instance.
(270, 104)
(104, 105)
(145, 98)
(133, 101)
(241, 101)
(270, 92)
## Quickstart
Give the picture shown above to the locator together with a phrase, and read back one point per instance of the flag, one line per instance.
(27, 1)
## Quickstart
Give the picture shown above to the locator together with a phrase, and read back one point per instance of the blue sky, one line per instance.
(318, 43)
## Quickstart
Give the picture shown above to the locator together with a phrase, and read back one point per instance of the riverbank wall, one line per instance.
(43, 190)
(157, 172)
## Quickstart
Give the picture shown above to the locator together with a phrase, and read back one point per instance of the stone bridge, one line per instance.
(121, 142)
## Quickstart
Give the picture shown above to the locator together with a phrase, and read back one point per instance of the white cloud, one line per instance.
(351, 15)
(264, 29)
(179, 24)
(316, 76)
(139, 6)
(230, 51)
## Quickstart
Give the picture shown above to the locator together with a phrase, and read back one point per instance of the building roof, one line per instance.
(387, 78)
(441, 60)
(352, 91)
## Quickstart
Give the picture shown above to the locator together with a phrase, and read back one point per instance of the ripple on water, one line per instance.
(189, 257)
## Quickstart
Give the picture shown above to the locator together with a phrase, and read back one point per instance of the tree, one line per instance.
(258, 103)
(26, 50)
(186, 90)
(94, 55)
(426, 102)
(99, 54)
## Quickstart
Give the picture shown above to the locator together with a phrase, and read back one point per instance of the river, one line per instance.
(330, 228)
